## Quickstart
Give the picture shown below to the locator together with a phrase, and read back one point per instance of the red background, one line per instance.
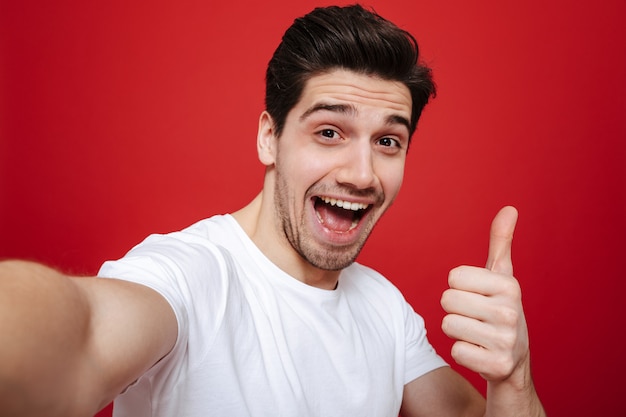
(119, 119)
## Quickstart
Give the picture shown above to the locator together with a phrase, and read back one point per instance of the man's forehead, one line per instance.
(356, 90)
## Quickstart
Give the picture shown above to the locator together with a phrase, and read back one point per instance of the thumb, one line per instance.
(500, 240)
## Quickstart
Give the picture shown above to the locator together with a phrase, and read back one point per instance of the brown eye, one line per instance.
(388, 142)
(329, 133)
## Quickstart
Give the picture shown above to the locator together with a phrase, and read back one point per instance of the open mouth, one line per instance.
(338, 215)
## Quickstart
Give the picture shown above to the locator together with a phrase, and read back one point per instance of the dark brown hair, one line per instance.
(349, 38)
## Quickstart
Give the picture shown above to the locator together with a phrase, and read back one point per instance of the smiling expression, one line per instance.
(335, 169)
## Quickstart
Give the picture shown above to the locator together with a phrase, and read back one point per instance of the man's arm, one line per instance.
(442, 392)
(71, 345)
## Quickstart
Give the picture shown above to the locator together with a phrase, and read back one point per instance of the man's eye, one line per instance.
(328, 133)
(388, 142)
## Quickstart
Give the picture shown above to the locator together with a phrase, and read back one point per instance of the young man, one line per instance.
(264, 312)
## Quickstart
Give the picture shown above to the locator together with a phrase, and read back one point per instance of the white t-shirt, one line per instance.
(254, 341)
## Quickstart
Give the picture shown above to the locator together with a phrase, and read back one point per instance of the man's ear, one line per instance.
(266, 140)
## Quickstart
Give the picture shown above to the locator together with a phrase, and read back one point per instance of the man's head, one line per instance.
(350, 38)
(344, 93)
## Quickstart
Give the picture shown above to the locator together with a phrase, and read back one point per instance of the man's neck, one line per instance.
(257, 223)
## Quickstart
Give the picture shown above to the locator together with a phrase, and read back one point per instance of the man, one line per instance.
(264, 312)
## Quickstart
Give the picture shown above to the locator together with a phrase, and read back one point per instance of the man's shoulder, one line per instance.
(216, 232)
(210, 228)
(174, 253)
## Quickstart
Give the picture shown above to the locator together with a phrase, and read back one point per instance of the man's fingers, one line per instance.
(500, 240)
(467, 329)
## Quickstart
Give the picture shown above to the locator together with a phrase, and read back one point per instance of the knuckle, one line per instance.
(508, 316)
(498, 368)
(503, 366)
(508, 340)
(511, 287)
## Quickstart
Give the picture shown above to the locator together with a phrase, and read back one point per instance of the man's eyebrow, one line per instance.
(392, 119)
(336, 108)
(401, 120)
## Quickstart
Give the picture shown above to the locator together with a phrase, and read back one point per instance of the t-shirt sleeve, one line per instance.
(189, 273)
(421, 357)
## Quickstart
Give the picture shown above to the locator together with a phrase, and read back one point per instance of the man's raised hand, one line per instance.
(485, 314)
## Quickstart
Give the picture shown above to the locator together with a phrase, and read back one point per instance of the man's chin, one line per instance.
(332, 260)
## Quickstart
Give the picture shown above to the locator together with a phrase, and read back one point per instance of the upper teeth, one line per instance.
(344, 204)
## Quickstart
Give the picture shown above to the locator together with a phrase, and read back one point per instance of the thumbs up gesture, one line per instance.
(485, 314)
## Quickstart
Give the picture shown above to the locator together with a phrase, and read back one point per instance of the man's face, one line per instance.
(339, 164)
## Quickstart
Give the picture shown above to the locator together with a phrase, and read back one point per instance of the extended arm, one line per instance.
(70, 345)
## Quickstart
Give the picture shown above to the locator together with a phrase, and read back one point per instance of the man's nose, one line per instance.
(357, 168)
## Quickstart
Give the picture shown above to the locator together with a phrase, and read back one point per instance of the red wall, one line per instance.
(118, 120)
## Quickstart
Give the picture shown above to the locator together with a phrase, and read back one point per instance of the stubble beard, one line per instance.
(294, 230)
